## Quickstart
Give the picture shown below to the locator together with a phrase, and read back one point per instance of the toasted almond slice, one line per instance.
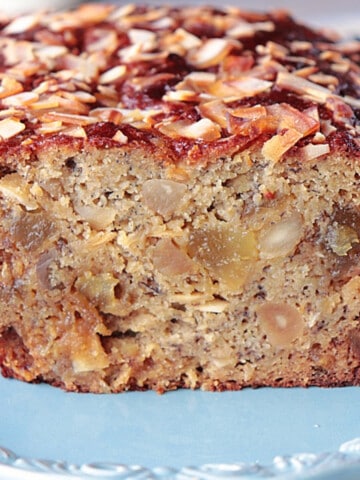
(180, 96)
(113, 115)
(245, 29)
(113, 74)
(46, 103)
(211, 52)
(216, 111)
(50, 127)
(279, 144)
(146, 39)
(236, 90)
(249, 112)
(9, 86)
(9, 127)
(311, 151)
(68, 118)
(22, 24)
(310, 90)
(203, 129)
(252, 127)
(291, 118)
(22, 99)
(75, 131)
(185, 39)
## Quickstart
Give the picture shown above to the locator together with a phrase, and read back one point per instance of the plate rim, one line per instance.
(345, 460)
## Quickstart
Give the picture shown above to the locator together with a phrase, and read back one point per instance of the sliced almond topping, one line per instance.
(9, 127)
(216, 111)
(185, 39)
(310, 90)
(9, 86)
(68, 118)
(291, 118)
(46, 103)
(211, 53)
(112, 75)
(198, 81)
(310, 151)
(145, 39)
(107, 115)
(236, 90)
(22, 99)
(323, 79)
(22, 24)
(102, 40)
(279, 144)
(203, 129)
(245, 29)
(341, 111)
(82, 67)
(50, 127)
(18, 51)
(249, 112)
(75, 131)
(180, 96)
(252, 127)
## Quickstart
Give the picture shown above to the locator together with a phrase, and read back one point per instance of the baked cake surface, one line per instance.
(180, 200)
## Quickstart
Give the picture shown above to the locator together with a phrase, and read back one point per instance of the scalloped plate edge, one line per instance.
(344, 464)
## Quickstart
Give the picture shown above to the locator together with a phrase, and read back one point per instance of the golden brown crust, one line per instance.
(191, 77)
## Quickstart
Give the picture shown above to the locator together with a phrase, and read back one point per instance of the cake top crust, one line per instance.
(200, 81)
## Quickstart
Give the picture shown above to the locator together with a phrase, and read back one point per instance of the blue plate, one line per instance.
(195, 434)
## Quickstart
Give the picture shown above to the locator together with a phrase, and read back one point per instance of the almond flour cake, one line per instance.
(180, 201)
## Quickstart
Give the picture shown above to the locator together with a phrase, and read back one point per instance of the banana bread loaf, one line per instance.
(180, 201)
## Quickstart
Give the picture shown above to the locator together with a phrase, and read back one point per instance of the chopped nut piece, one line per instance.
(120, 137)
(15, 187)
(281, 238)
(281, 323)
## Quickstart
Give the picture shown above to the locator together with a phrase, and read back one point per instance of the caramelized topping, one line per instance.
(195, 75)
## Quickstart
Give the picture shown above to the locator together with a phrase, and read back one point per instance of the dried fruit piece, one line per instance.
(163, 196)
(100, 290)
(228, 252)
(341, 239)
(169, 260)
(281, 323)
(97, 217)
(31, 230)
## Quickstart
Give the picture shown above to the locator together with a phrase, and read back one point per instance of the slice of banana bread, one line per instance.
(180, 202)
